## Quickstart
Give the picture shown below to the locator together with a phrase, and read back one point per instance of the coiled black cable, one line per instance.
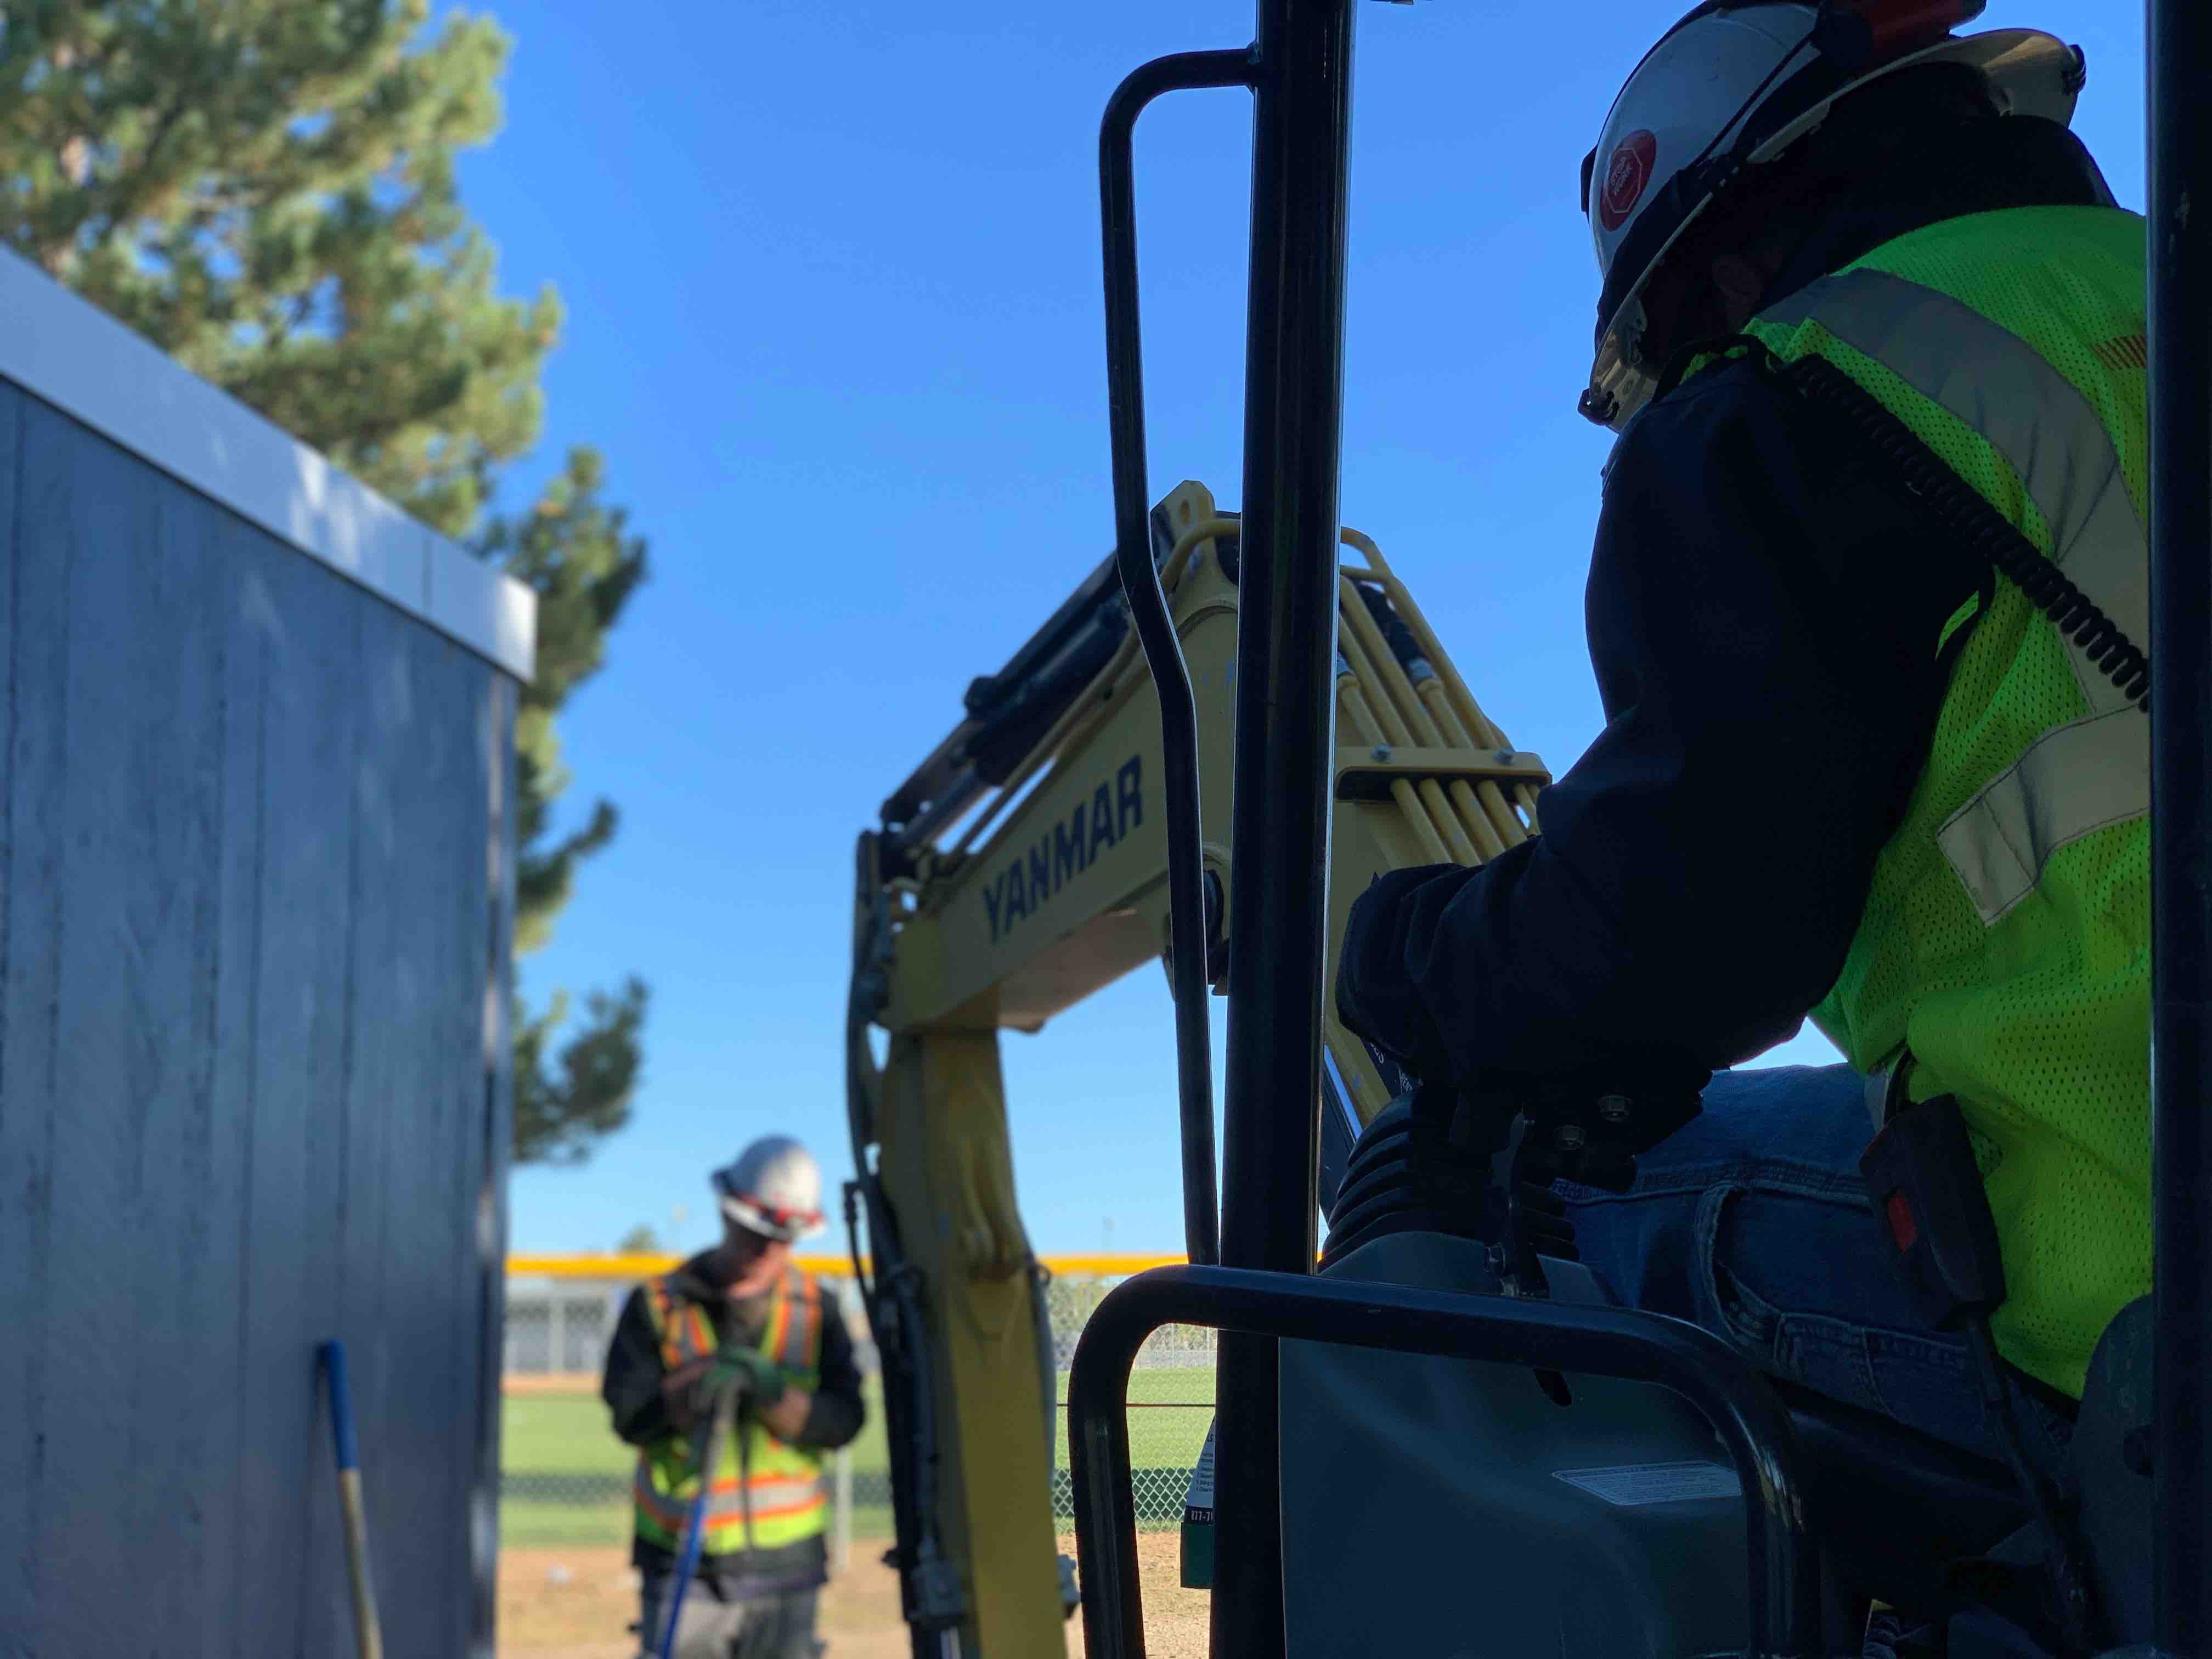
(1968, 515)
(1962, 509)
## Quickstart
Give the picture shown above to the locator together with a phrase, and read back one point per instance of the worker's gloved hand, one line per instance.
(1378, 992)
(749, 1371)
(680, 1394)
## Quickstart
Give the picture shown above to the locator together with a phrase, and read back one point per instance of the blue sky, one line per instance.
(834, 316)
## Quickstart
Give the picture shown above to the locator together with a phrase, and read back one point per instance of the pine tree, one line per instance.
(580, 558)
(266, 189)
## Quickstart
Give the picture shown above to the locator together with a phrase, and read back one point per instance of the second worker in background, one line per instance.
(740, 1329)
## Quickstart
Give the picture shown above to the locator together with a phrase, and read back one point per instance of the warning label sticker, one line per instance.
(1629, 1486)
(1198, 1500)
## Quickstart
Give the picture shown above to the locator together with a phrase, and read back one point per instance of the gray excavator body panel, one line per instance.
(1435, 1509)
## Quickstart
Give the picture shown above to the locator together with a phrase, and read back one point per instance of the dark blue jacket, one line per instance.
(1763, 608)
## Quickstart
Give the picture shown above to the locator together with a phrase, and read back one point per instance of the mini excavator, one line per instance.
(1436, 1437)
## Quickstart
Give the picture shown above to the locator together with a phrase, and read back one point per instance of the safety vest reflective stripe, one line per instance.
(773, 1527)
(2075, 779)
(725, 1514)
(686, 1332)
(2096, 772)
(794, 1324)
(771, 1498)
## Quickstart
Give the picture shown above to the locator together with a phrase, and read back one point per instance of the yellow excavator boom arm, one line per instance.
(1022, 868)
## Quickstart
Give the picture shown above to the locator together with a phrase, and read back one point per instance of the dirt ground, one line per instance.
(558, 1602)
(1175, 1618)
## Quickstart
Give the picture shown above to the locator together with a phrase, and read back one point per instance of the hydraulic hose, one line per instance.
(895, 1311)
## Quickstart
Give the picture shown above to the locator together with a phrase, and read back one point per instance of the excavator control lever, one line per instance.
(1481, 1164)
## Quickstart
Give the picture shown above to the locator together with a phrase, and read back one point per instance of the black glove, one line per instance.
(1395, 982)
(1376, 997)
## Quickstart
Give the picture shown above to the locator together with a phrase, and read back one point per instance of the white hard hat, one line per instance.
(774, 1188)
(1733, 85)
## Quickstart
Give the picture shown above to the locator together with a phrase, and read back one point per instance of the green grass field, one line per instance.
(1159, 1437)
(548, 1439)
(563, 1432)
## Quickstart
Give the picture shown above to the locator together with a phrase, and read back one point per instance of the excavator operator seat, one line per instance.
(1485, 1509)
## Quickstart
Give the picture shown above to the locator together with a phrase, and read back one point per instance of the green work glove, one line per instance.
(749, 1372)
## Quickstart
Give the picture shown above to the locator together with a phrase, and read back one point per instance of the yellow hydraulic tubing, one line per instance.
(1021, 869)
(1396, 730)
(1450, 697)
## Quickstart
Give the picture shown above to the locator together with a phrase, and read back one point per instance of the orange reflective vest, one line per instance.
(766, 1494)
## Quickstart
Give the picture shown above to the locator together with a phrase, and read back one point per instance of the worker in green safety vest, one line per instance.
(1867, 608)
(738, 1329)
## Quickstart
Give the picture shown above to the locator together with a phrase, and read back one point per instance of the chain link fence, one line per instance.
(565, 1477)
(1170, 1401)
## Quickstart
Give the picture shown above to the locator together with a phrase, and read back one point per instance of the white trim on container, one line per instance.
(66, 351)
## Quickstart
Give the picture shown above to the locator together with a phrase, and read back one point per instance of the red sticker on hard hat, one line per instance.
(1627, 176)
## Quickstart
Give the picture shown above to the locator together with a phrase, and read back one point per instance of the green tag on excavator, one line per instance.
(1198, 1521)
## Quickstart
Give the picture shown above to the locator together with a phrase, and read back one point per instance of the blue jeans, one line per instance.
(1752, 1222)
